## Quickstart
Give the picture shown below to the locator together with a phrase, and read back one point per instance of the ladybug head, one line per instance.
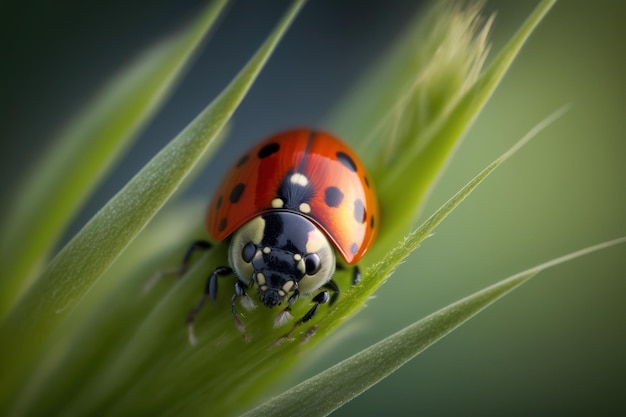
(281, 252)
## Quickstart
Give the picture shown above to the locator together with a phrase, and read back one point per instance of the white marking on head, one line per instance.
(260, 279)
(267, 250)
(251, 232)
(277, 203)
(255, 229)
(316, 240)
(297, 257)
(299, 179)
(287, 286)
(301, 266)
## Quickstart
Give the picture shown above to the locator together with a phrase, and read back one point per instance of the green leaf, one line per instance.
(90, 253)
(329, 390)
(93, 333)
(85, 151)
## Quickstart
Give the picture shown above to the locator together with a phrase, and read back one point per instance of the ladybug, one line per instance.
(286, 206)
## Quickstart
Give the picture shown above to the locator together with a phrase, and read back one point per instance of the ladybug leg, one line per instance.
(356, 272)
(246, 302)
(356, 275)
(210, 291)
(309, 333)
(321, 298)
(285, 315)
(332, 285)
(198, 245)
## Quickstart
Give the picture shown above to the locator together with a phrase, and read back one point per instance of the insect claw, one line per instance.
(247, 303)
(284, 338)
(309, 334)
(157, 277)
(191, 334)
(282, 318)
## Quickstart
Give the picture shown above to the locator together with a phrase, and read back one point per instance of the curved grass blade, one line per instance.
(446, 136)
(85, 334)
(437, 60)
(85, 151)
(102, 323)
(88, 255)
(375, 275)
(420, 158)
(351, 377)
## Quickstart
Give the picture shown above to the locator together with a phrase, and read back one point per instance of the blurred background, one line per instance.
(555, 346)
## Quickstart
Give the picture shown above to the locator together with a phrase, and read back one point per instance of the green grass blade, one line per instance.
(436, 60)
(329, 390)
(85, 339)
(375, 275)
(108, 233)
(85, 151)
(404, 185)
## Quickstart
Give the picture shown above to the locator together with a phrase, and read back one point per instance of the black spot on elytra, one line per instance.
(333, 196)
(354, 248)
(359, 210)
(220, 200)
(345, 159)
(268, 150)
(237, 192)
(222, 225)
(243, 160)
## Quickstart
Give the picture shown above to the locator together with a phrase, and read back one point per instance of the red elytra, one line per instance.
(334, 190)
